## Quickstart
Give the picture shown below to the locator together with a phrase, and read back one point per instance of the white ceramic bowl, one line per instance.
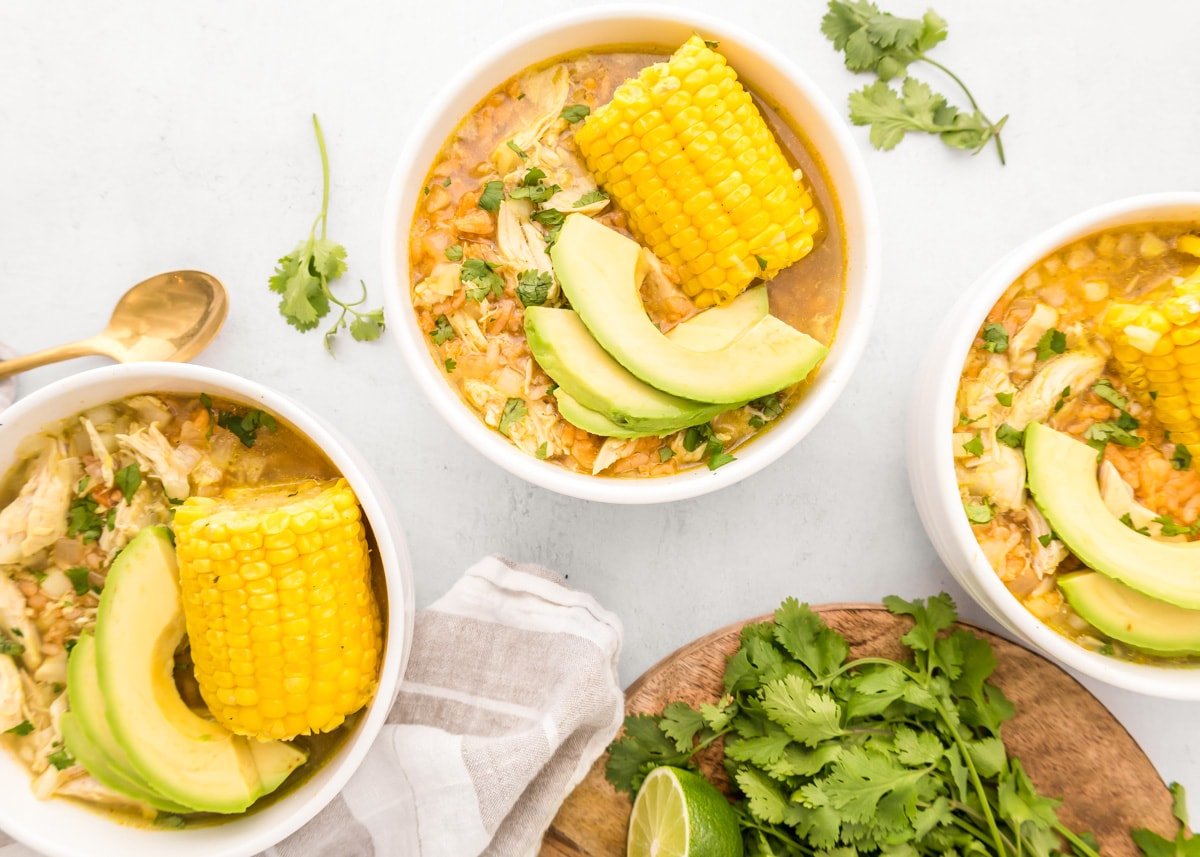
(931, 456)
(765, 70)
(60, 828)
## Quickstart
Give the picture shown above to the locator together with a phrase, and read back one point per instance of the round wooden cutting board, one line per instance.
(1070, 744)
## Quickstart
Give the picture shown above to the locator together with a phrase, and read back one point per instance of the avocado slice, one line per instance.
(569, 354)
(594, 422)
(184, 757)
(89, 737)
(597, 268)
(1131, 617)
(1064, 485)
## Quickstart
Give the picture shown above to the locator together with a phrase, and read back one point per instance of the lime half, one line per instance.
(680, 814)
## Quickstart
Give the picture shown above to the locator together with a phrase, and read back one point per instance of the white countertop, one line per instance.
(179, 137)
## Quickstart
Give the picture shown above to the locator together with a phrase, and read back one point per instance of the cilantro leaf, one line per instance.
(974, 446)
(887, 45)
(995, 338)
(592, 196)
(302, 278)
(84, 519)
(79, 579)
(1010, 436)
(442, 331)
(61, 759)
(127, 480)
(21, 729)
(514, 411)
(483, 275)
(533, 287)
(1105, 390)
(1052, 342)
(492, 196)
(681, 723)
(575, 112)
(1005, 399)
(1181, 458)
(807, 714)
(805, 636)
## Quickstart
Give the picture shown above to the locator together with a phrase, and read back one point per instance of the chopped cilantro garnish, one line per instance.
(575, 112)
(695, 436)
(1099, 435)
(514, 412)
(61, 759)
(246, 426)
(1045, 539)
(446, 183)
(590, 197)
(79, 578)
(84, 520)
(719, 459)
(492, 196)
(21, 729)
(1053, 341)
(454, 252)
(442, 332)
(483, 275)
(974, 446)
(711, 45)
(762, 263)
(1172, 528)
(769, 406)
(1181, 459)
(521, 153)
(533, 287)
(127, 479)
(665, 453)
(451, 364)
(11, 647)
(1009, 436)
(532, 189)
(1127, 520)
(1105, 390)
(995, 338)
(1005, 399)
(543, 451)
(964, 420)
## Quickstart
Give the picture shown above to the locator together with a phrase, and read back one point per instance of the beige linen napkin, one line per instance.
(511, 694)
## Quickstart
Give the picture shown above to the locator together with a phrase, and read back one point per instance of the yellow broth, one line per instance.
(1080, 282)
(808, 295)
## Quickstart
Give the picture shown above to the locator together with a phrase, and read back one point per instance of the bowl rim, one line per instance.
(962, 323)
(394, 557)
(850, 340)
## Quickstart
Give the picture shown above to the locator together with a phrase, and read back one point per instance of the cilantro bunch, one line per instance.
(867, 756)
(887, 45)
(302, 278)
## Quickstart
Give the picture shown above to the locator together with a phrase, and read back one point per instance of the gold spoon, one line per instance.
(171, 316)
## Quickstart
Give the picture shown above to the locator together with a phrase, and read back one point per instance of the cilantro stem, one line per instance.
(1079, 844)
(321, 218)
(997, 837)
(995, 129)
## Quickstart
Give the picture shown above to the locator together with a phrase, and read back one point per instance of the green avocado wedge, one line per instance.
(615, 399)
(1063, 482)
(89, 737)
(591, 421)
(1131, 617)
(184, 757)
(597, 268)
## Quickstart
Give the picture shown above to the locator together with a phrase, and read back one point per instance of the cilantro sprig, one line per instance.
(832, 755)
(882, 43)
(302, 278)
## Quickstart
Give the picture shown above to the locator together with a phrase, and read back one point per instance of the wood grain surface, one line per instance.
(1070, 744)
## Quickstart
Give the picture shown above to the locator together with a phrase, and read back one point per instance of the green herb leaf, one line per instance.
(532, 188)
(533, 287)
(762, 262)
(454, 252)
(451, 364)
(1052, 342)
(514, 411)
(1127, 520)
(492, 196)
(1005, 399)
(592, 196)
(247, 425)
(543, 451)
(1010, 436)
(974, 446)
(484, 277)
(84, 519)
(1181, 459)
(79, 579)
(1099, 435)
(575, 112)
(11, 647)
(665, 453)
(995, 338)
(1105, 390)
(61, 759)
(1045, 539)
(521, 153)
(442, 331)
(21, 729)
(302, 278)
(127, 481)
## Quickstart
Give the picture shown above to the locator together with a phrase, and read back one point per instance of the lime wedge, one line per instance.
(680, 814)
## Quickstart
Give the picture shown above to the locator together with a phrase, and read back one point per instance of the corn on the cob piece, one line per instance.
(283, 623)
(683, 150)
(1156, 345)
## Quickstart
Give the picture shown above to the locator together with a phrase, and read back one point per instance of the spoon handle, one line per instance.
(70, 351)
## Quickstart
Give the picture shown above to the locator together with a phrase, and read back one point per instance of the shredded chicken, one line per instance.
(1045, 558)
(1118, 496)
(144, 509)
(17, 624)
(170, 465)
(37, 518)
(12, 697)
(998, 474)
(103, 456)
(1062, 377)
(1022, 348)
